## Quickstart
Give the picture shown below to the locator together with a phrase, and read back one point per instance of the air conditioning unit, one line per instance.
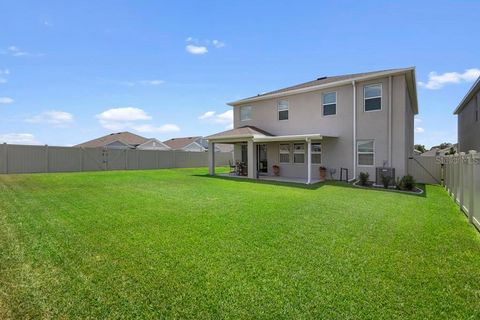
(384, 171)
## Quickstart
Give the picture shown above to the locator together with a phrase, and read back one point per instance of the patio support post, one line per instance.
(309, 161)
(252, 170)
(211, 158)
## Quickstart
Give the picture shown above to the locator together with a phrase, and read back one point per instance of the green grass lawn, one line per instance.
(179, 244)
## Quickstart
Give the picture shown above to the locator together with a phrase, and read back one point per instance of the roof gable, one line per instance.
(180, 143)
(125, 137)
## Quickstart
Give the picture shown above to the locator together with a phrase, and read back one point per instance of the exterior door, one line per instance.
(262, 164)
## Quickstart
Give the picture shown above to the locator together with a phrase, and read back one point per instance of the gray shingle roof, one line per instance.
(125, 137)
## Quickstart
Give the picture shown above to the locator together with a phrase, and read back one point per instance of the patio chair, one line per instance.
(233, 167)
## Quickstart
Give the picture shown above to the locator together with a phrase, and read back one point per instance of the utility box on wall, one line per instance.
(384, 171)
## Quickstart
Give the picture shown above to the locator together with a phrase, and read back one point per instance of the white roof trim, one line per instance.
(321, 86)
(154, 140)
(468, 96)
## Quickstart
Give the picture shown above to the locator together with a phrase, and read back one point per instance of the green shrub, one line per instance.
(385, 180)
(408, 183)
(398, 184)
(363, 178)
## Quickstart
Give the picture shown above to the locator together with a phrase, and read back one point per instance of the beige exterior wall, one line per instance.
(468, 127)
(305, 117)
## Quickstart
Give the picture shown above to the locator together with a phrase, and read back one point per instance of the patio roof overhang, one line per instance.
(262, 138)
(293, 137)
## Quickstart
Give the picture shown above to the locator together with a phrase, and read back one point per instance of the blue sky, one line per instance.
(69, 73)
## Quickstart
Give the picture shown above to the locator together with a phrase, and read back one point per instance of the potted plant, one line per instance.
(323, 173)
(276, 170)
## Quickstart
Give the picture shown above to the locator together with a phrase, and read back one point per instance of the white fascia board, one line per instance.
(295, 137)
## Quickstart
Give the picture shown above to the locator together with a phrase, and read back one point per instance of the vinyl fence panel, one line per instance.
(425, 169)
(462, 182)
(64, 159)
(33, 159)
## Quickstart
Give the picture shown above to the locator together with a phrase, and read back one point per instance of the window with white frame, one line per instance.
(284, 153)
(316, 153)
(372, 96)
(365, 152)
(245, 113)
(298, 153)
(282, 107)
(329, 103)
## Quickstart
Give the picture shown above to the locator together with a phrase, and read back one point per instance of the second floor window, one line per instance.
(245, 113)
(372, 97)
(282, 107)
(330, 103)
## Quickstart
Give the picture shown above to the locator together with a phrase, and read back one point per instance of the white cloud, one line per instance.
(57, 118)
(419, 130)
(437, 81)
(218, 44)
(151, 82)
(3, 75)
(123, 114)
(6, 100)
(17, 52)
(197, 50)
(417, 119)
(127, 119)
(198, 46)
(225, 118)
(18, 138)
(166, 128)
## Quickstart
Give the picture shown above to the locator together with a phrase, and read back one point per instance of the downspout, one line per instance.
(390, 111)
(354, 130)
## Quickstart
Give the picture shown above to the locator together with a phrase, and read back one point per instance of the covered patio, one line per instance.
(257, 150)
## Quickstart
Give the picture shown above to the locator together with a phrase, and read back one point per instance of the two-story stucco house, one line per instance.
(356, 121)
(468, 120)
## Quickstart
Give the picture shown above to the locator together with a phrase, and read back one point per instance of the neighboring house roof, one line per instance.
(223, 147)
(417, 152)
(437, 151)
(326, 82)
(127, 138)
(180, 143)
(473, 90)
(153, 144)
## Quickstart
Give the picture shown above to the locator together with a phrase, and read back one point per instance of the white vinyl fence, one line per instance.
(425, 169)
(36, 159)
(462, 181)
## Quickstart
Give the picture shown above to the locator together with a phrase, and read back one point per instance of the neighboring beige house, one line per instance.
(436, 151)
(192, 144)
(195, 144)
(468, 120)
(125, 140)
(357, 121)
